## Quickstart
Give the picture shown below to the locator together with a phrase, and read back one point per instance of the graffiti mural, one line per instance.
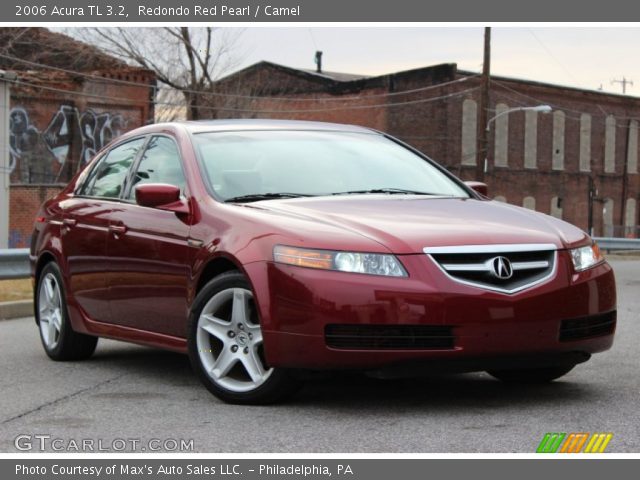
(55, 153)
(98, 129)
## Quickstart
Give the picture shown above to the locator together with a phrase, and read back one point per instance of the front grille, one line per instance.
(389, 337)
(587, 327)
(502, 268)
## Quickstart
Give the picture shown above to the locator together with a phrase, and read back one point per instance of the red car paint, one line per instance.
(131, 272)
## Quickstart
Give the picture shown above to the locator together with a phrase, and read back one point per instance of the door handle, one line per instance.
(117, 229)
(69, 222)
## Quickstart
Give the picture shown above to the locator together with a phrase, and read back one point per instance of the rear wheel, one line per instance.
(226, 347)
(531, 375)
(59, 340)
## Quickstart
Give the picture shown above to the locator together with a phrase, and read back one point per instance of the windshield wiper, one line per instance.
(254, 197)
(390, 191)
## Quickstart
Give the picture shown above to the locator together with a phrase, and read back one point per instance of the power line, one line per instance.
(295, 99)
(232, 95)
(550, 53)
(248, 110)
(74, 72)
(313, 38)
(560, 107)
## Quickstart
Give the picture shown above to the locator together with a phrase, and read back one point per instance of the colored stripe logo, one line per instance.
(581, 442)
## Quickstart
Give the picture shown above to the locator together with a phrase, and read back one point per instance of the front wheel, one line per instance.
(226, 348)
(59, 340)
(531, 375)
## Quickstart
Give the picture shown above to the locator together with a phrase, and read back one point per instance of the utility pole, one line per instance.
(625, 181)
(482, 138)
(591, 193)
(4, 157)
(624, 82)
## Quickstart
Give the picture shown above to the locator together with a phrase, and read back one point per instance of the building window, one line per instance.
(530, 139)
(501, 139)
(632, 153)
(529, 202)
(556, 207)
(557, 162)
(500, 198)
(469, 131)
(607, 217)
(585, 142)
(610, 145)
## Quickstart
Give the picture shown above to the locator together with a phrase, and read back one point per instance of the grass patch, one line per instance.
(11, 290)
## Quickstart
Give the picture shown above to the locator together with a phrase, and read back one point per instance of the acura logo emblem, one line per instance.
(501, 268)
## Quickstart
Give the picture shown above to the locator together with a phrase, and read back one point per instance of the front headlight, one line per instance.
(367, 263)
(586, 257)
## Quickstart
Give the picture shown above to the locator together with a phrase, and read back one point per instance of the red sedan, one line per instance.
(266, 248)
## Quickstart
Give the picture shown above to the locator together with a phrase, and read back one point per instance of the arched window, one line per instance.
(607, 217)
(529, 202)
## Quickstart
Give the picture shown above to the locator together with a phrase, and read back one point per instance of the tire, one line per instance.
(225, 345)
(59, 340)
(531, 375)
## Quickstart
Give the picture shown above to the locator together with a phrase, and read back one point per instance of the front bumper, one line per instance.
(298, 304)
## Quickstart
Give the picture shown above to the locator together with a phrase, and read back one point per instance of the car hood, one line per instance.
(407, 224)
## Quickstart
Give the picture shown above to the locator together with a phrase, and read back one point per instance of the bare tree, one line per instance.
(185, 59)
(170, 105)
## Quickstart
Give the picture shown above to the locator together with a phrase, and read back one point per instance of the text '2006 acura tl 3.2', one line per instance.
(264, 249)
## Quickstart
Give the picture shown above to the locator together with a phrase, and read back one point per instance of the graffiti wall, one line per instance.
(53, 153)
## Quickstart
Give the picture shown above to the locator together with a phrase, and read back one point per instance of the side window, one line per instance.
(112, 171)
(160, 163)
(88, 176)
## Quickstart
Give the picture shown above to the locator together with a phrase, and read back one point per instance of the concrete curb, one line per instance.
(17, 309)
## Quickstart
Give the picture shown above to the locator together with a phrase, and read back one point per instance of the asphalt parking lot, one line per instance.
(126, 391)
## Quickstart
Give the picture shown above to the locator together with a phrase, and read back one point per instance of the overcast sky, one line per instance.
(585, 57)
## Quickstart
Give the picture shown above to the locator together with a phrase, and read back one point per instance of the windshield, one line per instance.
(251, 165)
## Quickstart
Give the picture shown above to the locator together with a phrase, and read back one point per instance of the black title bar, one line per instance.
(233, 11)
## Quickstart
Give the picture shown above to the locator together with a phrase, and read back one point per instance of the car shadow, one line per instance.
(355, 391)
(161, 365)
(468, 392)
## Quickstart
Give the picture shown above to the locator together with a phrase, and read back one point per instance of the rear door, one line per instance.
(85, 228)
(148, 250)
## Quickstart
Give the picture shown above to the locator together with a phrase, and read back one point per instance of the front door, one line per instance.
(148, 250)
(85, 229)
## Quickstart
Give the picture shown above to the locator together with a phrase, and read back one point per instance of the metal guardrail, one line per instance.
(14, 262)
(617, 244)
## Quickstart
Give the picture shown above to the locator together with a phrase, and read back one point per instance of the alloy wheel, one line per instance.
(50, 310)
(229, 341)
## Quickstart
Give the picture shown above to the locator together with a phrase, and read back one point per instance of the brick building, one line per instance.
(59, 119)
(578, 163)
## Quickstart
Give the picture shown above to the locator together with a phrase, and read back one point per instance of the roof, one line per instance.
(202, 126)
(337, 76)
(40, 45)
(338, 83)
(323, 77)
(430, 75)
(524, 81)
(243, 125)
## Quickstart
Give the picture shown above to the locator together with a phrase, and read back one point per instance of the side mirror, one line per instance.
(162, 196)
(478, 187)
